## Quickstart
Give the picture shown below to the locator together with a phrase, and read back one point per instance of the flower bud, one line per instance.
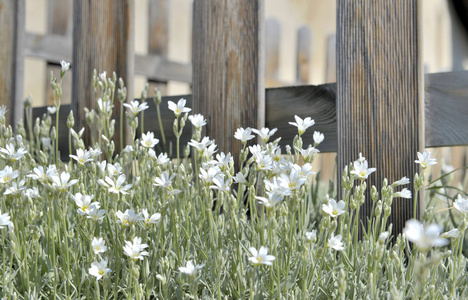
(70, 120)
(374, 194)
(157, 96)
(53, 134)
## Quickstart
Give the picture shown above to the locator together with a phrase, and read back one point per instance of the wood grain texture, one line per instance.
(379, 99)
(227, 87)
(158, 35)
(317, 102)
(303, 55)
(102, 40)
(446, 109)
(12, 23)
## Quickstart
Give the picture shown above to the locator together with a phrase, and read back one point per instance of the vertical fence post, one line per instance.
(303, 55)
(228, 66)
(272, 51)
(102, 40)
(379, 93)
(59, 22)
(158, 34)
(330, 71)
(12, 23)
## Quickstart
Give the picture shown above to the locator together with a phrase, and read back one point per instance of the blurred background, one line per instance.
(300, 49)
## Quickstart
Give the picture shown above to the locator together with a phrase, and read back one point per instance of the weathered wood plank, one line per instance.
(227, 84)
(59, 17)
(158, 35)
(272, 51)
(102, 40)
(59, 22)
(54, 48)
(380, 93)
(446, 109)
(303, 55)
(12, 24)
(330, 71)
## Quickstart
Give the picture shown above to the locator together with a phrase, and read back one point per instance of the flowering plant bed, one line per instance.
(138, 225)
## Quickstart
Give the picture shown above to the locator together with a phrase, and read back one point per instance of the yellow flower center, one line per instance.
(335, 212)
(84, 208)
(101, 272)
(362, 173)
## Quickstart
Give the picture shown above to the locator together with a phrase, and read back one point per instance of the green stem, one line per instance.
(161, 129)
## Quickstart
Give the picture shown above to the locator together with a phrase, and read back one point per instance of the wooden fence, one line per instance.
(381, 105)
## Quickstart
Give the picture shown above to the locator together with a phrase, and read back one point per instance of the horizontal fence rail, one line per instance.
(54, 48)
(446, 108)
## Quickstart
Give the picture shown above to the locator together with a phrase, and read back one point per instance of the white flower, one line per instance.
(221, 184)
(318, 137)
(12, 154)
(335, 242)
(128, 149)
(454, 233)
(95, 213)
(135, 107)
(224, 160)
(190, 269)
(272, 200)
(162, 159)
(244, 134)
(65, 65)
(302, 125)
(38, 174)
(114, 169)
(105, 106)
(82, 156)
(7, 174)
(117, 186)
(402, 181)
(150, 219)
(148, 140)
(179, 107)
(31, 193)
(461, 204)
(308, 153)
(103, 76)
(261, 256)
(208, 176)
(424, 238)
(3, 111)
(311, 236)
(99, 269)
(129, 218)
(98, 245)
(63, 182)
(404, 193)
(361, 170)
(333, 208)
(425, 160)
(383, 236)
(15, 188)
(5, 220)
(197, 120)
(51, 110)
(135, 249)
(95, 152)
(83, 202)
(294, 181)
(240, 178)
(265, 133)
